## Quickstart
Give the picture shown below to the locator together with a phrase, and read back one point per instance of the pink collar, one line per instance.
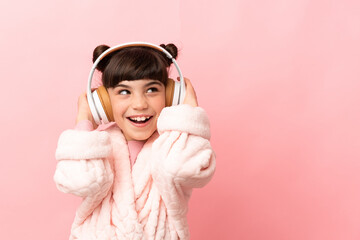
(134, 149)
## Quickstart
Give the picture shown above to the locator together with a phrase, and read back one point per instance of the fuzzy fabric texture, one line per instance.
(147, 201)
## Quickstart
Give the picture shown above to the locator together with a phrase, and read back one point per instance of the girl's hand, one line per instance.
(84, 112)
(190, 96)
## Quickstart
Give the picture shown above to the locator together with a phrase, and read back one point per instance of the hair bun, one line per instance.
(172, 49)
(104, 62)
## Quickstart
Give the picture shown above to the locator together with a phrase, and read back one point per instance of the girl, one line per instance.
(135, 175)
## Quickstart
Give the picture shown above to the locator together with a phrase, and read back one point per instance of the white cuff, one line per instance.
(75, 144)
(184, 118)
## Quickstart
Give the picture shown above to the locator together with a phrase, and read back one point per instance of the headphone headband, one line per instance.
(90, 98)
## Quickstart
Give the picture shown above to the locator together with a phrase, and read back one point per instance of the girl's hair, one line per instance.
(133, 63)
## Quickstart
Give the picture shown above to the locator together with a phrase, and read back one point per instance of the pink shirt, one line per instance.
(134, 149)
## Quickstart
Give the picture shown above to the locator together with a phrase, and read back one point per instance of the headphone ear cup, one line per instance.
(172, 93)
(103, 104)
(169, 92)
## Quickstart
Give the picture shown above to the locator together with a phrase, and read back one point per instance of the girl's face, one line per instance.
(136, 106)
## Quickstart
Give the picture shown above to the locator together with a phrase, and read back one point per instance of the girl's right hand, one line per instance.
(84, 112)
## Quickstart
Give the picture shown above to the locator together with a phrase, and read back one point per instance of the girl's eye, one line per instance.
(123, 92)
(153, 89)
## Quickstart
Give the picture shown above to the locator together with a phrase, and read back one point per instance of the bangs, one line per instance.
(133, 64)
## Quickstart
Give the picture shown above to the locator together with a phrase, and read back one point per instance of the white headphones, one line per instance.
(99, 100)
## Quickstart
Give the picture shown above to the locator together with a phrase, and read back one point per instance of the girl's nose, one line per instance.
(139, 103)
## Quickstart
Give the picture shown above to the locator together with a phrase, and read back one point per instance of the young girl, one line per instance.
(135, 175)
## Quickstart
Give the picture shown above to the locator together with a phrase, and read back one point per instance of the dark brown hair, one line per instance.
(133, 63)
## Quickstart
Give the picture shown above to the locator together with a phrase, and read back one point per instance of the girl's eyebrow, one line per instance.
(122, 86)
(152, 82)
(146, 85)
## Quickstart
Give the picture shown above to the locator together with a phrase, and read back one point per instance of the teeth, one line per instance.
(140, 118)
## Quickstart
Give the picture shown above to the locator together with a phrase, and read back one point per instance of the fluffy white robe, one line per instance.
(149, 201)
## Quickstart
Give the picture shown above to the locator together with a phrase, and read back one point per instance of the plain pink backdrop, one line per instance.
(279, 79)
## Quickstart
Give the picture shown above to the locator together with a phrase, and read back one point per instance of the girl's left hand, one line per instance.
(190, 96)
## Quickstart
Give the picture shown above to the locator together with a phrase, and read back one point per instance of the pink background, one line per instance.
(279, 80)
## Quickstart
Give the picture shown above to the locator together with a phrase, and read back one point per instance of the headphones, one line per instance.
(99, 100)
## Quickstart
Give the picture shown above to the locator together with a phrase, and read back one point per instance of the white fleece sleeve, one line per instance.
(82, 168)
(183, 152)
(182, 158)
(185, 118)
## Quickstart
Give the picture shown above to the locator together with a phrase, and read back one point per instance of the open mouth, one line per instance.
(139, 119)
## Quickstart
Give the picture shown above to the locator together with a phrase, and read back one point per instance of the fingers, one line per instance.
(190, 96)
(188, 84)
(190, 87)
(84, 112)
